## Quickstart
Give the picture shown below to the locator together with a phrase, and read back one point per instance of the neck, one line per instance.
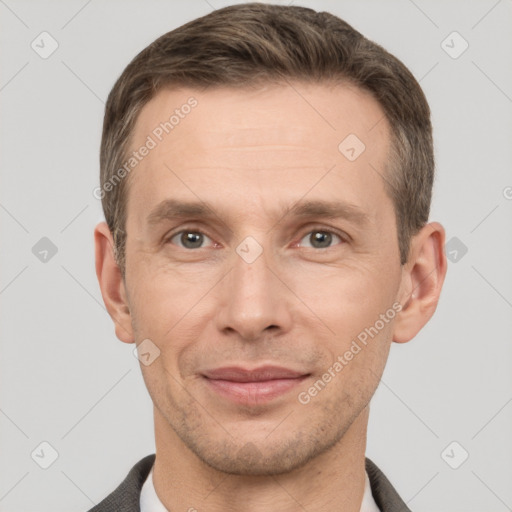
(334, 480)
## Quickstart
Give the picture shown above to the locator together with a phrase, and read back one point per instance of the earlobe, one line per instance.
(111, 283)
(422, 280)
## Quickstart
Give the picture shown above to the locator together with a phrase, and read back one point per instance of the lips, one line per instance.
(264, 373)
(252, 387)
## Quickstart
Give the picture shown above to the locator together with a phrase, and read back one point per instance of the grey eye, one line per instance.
(189, 239)
(320, 239)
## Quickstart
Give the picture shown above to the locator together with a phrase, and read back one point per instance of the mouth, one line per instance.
(252, 387)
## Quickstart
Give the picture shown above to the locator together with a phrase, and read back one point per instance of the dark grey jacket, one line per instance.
(126, 498)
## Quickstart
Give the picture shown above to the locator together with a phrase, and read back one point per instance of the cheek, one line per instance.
(356, 305)
(348, 299)
(172, 309)
(163, 297)
(358, 366)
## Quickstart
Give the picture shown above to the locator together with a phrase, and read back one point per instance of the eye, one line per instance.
(321, 238)
(189, 239)
(194, 239)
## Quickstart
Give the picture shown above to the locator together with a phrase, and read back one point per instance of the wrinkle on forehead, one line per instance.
(272, 118)
(263, 143)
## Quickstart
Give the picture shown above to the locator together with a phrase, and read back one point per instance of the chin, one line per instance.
(261, 458)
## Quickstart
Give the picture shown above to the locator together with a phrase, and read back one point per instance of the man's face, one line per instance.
(196, 291)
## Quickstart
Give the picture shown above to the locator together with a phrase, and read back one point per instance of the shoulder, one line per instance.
(126, 497)
(384, 494)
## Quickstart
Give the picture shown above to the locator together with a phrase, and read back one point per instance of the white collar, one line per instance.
(150, 502)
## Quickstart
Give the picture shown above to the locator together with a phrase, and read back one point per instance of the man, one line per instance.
(266, 177)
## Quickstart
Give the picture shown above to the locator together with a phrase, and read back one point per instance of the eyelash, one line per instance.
(343, 237)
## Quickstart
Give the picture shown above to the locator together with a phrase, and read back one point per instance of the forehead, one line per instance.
(274, 113)
(275, 140)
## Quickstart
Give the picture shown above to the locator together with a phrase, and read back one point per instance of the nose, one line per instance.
(255, 298)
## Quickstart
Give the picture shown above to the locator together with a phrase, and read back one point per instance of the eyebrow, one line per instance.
(170, 209)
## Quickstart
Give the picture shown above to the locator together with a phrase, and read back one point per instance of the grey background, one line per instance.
(67, 380)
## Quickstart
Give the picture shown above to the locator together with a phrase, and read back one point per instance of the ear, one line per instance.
(112, 284)
(422, 279)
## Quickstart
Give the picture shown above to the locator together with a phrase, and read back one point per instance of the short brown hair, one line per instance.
(247, 44)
